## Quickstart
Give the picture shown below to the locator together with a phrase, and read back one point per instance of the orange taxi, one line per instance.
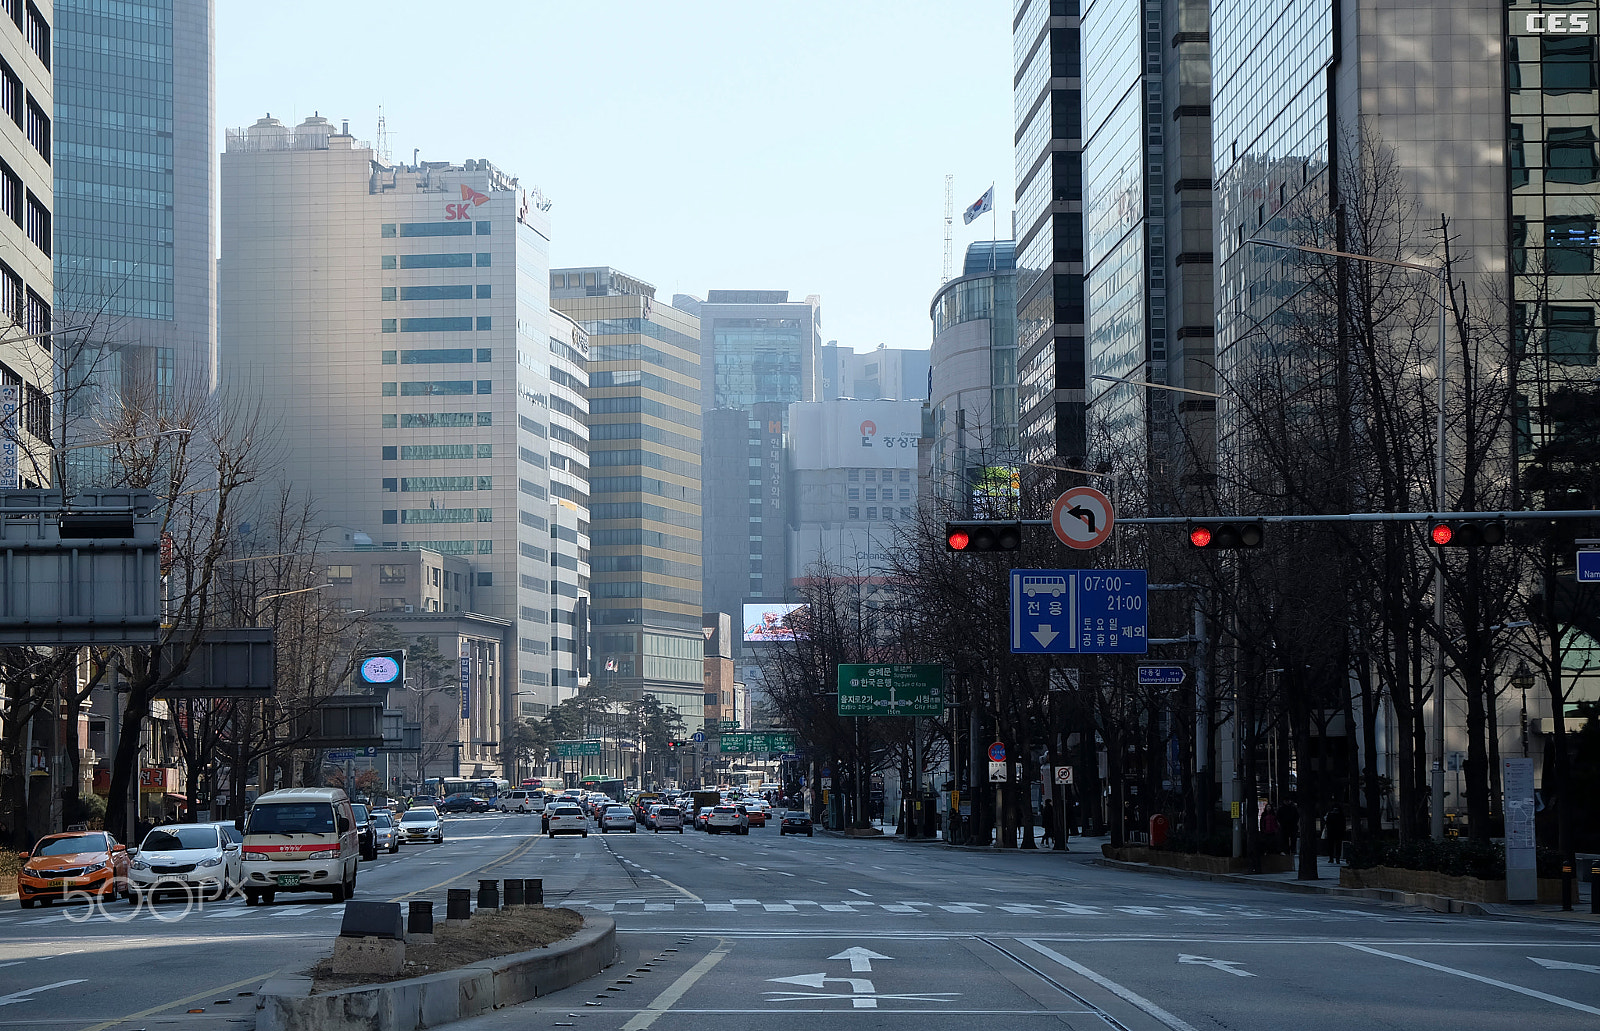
(757, 815)
(91, 862)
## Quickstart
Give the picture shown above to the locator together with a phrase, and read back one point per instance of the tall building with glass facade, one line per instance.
(762, 352)
(27, 374)
(973, 396)
(1048, 226)
(393, 321)
(135, 185)
(645, 486)
(568, 459)
(1147, 221)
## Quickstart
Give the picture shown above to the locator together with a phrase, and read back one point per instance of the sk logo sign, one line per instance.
(470, 199)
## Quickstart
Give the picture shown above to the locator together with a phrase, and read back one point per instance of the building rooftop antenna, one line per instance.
(383, 137)
(949, 222)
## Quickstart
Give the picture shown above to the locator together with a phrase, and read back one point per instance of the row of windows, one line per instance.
(444, 324)
(639, 431)
(649, 381)
(871, 475)
(644, 564)
(646, 459)
(436, 420)
(38, 224)
(638, 510)
(390, 261)
(643, 485)
(438, 387)
(854, 494)
(35, 404)
(457, 228)
(449, 292)
(646, 354)
(640, 538)
(437, 452)
(638, 327)
(438, 356)
(643, 406)
(431, 484)
(873, 513)
(439, 515)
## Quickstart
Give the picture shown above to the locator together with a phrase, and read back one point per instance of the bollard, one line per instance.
(1566, 887)
(1594, 888)
(533, 890)
(488, 894)
(420, 918)
(514, 892)
(458, 904)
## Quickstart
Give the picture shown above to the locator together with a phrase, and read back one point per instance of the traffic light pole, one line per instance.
(1339, 517)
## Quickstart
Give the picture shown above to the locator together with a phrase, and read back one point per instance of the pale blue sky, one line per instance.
(727, 145)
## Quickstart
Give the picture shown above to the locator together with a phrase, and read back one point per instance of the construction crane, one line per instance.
(949, 223)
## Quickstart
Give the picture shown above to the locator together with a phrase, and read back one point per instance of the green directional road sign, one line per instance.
(576, 749)
(885, 689)
(757, 741)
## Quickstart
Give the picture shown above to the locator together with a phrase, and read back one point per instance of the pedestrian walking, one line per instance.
(1289, 823)
(1333, 831)
(1047, 813)
(1269, 829)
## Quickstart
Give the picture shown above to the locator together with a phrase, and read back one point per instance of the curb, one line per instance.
(286, 1003)
(1436, 903)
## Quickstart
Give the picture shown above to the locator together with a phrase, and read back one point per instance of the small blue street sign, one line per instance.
(1079, 611)
(698, 736)
(1160, 676)
(1589, 566)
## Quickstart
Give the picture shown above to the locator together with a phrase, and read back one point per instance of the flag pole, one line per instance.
(994, 232)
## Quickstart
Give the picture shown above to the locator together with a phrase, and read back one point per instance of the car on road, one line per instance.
(701, 816)
(200, 860)
(300, 839)
(727, 818)
(385, 830)
(795, 821)
(522, 800)
(618, 817)
(755, 816)
(366, 834)
(567, 819)
(462, 803)
(91, 862)
(666, 818)
(422, 823)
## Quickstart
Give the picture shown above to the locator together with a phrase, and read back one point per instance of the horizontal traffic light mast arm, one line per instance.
(1348, 517)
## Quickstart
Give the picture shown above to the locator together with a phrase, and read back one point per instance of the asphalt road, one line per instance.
(733, 932)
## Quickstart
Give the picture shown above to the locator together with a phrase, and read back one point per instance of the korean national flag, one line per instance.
(979, 206)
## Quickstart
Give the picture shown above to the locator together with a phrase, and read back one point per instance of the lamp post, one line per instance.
(1441, 272)
(1522, 679)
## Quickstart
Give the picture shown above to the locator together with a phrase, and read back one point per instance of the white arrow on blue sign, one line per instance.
(1589, 566)
(698, 736)
(1078, 611)
(1160, 676)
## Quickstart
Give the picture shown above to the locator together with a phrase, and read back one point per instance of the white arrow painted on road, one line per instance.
(857, 984)
(23, 996)
(1557, 964)
(1221, 964)
(1045, 635)
(860, 959)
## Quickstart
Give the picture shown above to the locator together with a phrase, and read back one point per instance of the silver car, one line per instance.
(422, 823)
(386, 831)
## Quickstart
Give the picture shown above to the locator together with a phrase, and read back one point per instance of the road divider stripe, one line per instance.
(1531, 993)
(209, 992)
(679, 988)
(1125, 994)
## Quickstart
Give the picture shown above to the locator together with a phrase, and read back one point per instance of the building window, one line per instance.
(389, 293)
(436, 356)
(11, 294)
(391, 574)
(872, 476)
(483, 260)
(1518, 157)
(1570, 155)
(1566, 64)
(435, 261)
(483, 228)
(391, 484)
(388, 261)
(485, 354)
(485, 386)
(905, 475)
(38, 35)
(1569, 245)
(36, 412)
(391, 357)
(37, 318)
(390, 421)
(853, 475)
(1571, 335)
(391, 325)
(485, 579)
(855, 513)
(11, 93)
(341, 574)
(388, 389)
(391, 604)
(391, 515)
(872, 513)
(391, 453)
(447, 324)
(485, 322)
(852, 493)
(435, 388)
(483, 292)
(436, 228)
(485, 450)
(39, 129)
(436, 293)
(388, 230)
(872, 494)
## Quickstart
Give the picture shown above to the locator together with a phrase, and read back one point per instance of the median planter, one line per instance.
(1271, 863)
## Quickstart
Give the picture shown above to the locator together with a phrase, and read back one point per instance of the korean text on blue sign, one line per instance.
(1079, 611)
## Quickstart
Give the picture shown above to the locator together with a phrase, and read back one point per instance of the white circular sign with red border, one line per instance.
(1082, 518)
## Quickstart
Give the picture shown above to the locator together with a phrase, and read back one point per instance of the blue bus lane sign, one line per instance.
(1079, 612)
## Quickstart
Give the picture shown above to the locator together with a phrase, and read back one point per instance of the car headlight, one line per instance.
(140, 864)
(256, 857)
(327, 853)
(213, 861)
(96, 867)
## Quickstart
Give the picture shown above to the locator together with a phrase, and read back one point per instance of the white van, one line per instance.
(300, 839)
(523, 800)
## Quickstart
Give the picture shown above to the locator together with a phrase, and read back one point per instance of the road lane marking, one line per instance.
(677, 989)
(259, 978)
(1531, 993)
(26, 995)
(1125, 994)
(858, 891)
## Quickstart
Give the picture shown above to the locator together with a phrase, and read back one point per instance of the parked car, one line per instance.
(567, 819)
(79, 861)
(385, 830)
(666, 818)
(727, 818)
(795, 821)
(201, 860)
(366, 834)
(618, 817)
(422, 823)
(459, 803)
(300, 839)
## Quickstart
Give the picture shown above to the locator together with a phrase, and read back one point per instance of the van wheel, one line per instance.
(680, 830)
(268, 896)
(337, 892)
(350, 889)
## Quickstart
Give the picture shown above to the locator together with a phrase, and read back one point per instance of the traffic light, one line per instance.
(1466, 533)
(966, 537)
(1226, 536)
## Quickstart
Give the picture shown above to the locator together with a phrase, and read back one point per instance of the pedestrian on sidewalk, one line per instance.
(1269, 829)
(1333, 831)
(1047, 813)
(1289, 823)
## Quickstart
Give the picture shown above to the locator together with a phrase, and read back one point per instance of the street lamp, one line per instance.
(1442, 273)
(284, 594)
(1522, 679)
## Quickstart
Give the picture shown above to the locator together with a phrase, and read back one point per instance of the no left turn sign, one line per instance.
(1082, 518)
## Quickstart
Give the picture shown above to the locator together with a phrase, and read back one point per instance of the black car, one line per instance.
(366, 833)
(460, 803)
(795, 821)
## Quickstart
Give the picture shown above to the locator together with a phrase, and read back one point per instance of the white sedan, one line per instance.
(422, 823)
(199, 859)
(568, 819)
(617, 818)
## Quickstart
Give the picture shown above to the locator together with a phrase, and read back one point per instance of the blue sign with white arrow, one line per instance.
(1079, 611)
(1589, 566)
(1160, 676)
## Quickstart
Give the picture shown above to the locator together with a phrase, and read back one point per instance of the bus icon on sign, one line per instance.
(1055, 586)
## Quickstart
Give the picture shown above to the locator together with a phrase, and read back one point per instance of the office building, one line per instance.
(27, 374)
(569, 502)
(644, 484)
(1147, 218)
(973, 398)
(883, 373)
(1048, 227)
(135, 185)
(761, 351)
(387, 321)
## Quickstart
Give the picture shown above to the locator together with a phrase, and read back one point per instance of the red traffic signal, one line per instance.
(1227, 535)
(967, 537)
(1467, 533)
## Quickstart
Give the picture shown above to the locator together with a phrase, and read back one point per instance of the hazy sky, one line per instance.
(697, 145)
